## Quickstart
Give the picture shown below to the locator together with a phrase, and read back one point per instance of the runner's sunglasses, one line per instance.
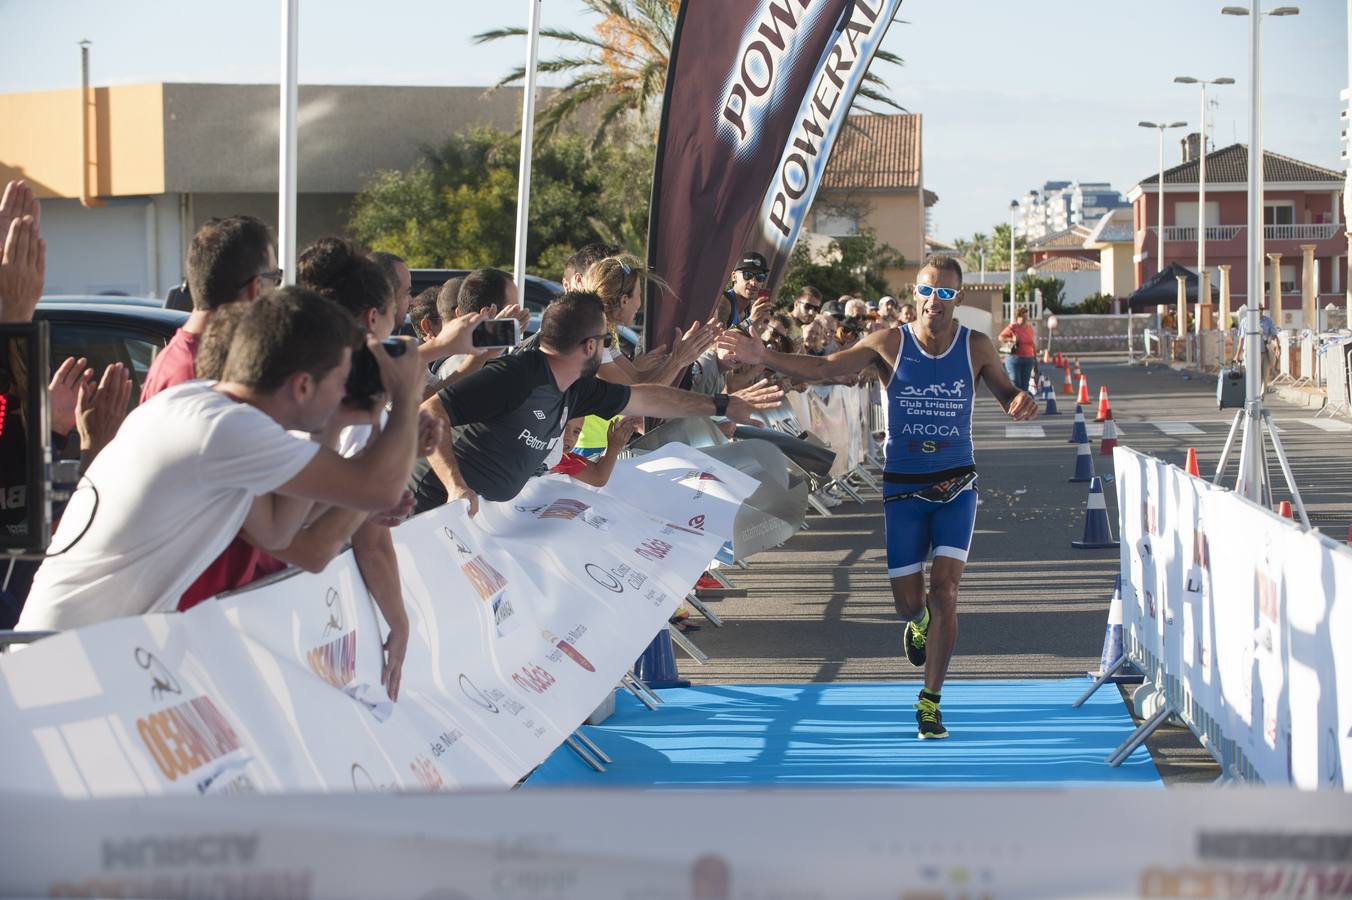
(924, 290)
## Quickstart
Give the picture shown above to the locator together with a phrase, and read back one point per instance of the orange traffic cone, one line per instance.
(1068, 387)
(1046, 357)
(1078, 373)
(1084, 391)
(1109, 436)
(1191, 466)
(1284, 509)
(1103, 412)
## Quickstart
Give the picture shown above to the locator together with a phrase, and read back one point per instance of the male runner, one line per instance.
(929, 495)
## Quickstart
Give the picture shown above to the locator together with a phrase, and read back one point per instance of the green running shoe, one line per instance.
(931, 722)
(914, 642)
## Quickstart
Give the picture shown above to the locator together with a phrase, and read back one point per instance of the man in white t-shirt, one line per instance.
(201, 460)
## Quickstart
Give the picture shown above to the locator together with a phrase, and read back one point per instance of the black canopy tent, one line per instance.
(1162, 288)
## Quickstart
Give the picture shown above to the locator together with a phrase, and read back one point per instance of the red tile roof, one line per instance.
(881, 151)
(1073, 236)
(1230, 165)
(1067, 264)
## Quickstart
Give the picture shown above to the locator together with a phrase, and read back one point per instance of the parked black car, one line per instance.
(129, 330)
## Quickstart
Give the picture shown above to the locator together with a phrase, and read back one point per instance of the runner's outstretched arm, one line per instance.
(986, 363)
(747, 349)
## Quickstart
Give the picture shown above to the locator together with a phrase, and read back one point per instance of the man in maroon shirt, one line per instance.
(231, 260)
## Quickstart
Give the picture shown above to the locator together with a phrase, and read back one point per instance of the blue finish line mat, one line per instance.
(1003, 734)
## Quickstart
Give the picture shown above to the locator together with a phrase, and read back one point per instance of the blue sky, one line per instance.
(1013, 94)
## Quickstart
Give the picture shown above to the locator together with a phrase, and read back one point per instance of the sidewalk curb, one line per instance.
(1310, 399)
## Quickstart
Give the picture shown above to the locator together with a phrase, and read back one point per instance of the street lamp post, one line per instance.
(1203, 282)
(1013, 208)
(1252, 464)
(1159, 193)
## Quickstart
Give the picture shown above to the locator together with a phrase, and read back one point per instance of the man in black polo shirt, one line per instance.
(504, 421)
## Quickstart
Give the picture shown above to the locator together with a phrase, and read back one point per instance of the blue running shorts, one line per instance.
(914, 526)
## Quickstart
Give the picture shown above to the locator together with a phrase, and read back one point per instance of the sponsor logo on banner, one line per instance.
(749, 90)
(534, 678)
(820, 118)
(426, 772)
(486, 580)
(566, 648)
(695, 478)
(363, 782)
(443, 742)
(335, 661)
(567, 509)
(504, 615)
(189, 735)
(616, 578)
(493, 700)
(653, 549)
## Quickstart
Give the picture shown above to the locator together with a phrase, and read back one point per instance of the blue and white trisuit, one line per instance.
(928, 402)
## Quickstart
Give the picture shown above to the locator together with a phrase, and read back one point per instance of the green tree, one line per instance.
(997, 257)
(1094, 304)
(1053, 292)
(621, 68)
(848, 264)
(456, 208)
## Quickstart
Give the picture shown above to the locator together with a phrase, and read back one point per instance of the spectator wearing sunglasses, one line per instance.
(506, 421)
(932, 366)
(230, 260)
(806, 306)
(748, 280)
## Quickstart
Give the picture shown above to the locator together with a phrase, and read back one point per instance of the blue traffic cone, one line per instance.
(1097, 535)
(1079, 434)
(1084, 463)
(1051, 410)
(657, 666)
(1112, 644)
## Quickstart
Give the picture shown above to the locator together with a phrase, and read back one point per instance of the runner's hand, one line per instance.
(396, 646)
(1023, 407)
(462, 492)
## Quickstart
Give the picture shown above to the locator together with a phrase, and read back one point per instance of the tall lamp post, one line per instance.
(1159, 193)
(1203, 281)
(1013, 209)
(1252, 481)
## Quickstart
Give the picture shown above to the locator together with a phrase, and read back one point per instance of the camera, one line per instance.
(363, 381)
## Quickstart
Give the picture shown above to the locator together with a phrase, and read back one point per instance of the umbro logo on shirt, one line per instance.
(539, 414)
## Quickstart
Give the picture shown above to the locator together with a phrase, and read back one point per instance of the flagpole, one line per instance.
(286, 143)
(527, 135)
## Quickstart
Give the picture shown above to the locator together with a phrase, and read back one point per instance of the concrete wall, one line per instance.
(41, 139)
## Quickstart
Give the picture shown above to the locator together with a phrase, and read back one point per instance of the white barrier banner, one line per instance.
(1236, 613)
(522, 620)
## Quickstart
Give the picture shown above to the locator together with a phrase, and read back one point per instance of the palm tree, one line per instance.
(622, 66)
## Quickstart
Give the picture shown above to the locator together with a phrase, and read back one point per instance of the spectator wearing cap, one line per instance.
(748, 280)
(806, 306)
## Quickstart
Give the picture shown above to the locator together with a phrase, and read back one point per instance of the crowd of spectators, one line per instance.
(261, 440)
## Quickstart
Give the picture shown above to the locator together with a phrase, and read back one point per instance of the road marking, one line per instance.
(1176, 429)
(1095, 429)
(1024, 430)
(1327, 424)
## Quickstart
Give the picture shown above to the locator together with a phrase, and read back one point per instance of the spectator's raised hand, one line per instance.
(518, 312)
(23, 267)
(621, 430)
(99, 411)
(457, 336)
(688, 346)
(64, 393)
(760, 312)
(653, 360)
(18, 201)
(760, 396)
(742, 347)
(401, 376)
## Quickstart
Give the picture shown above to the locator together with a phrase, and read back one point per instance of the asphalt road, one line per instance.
(819, 609)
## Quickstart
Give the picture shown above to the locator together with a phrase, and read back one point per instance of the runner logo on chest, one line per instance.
(929, 407)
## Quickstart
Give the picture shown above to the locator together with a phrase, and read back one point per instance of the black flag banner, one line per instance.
(757, 92)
